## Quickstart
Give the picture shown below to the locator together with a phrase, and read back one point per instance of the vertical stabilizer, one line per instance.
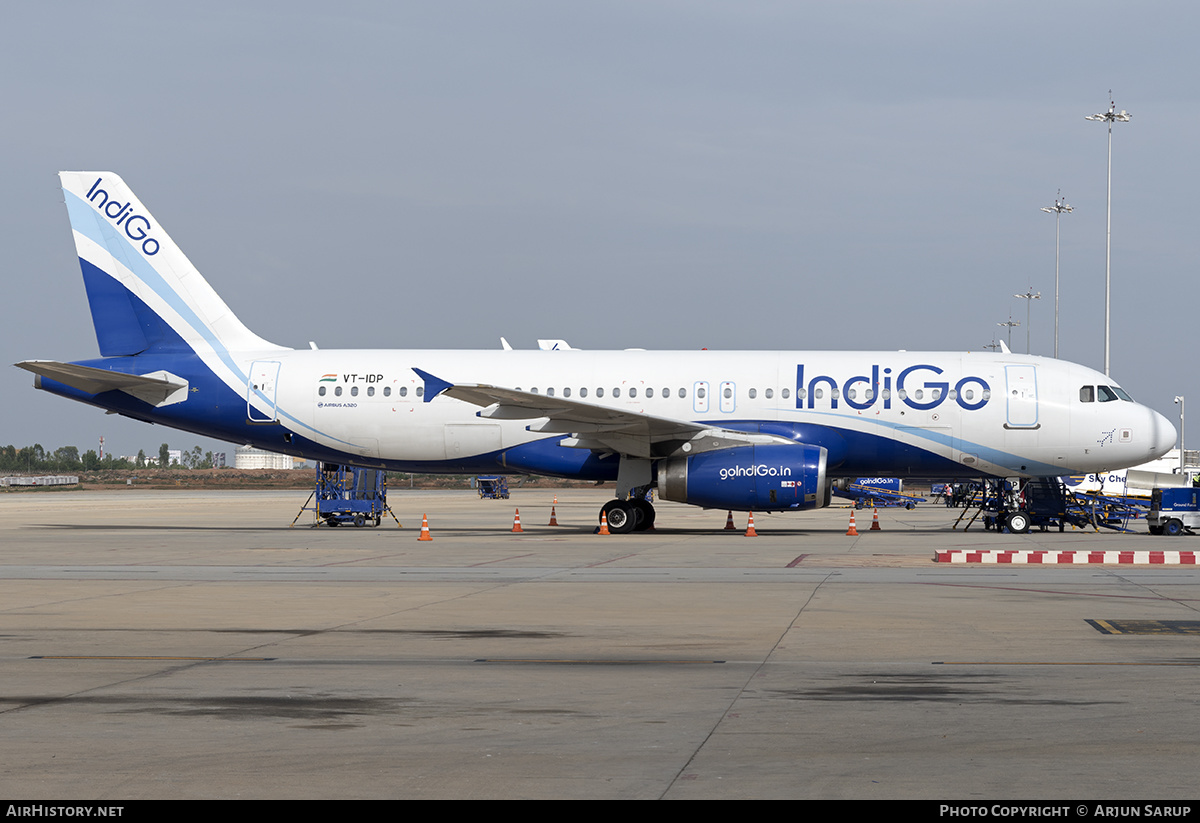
(145, 295)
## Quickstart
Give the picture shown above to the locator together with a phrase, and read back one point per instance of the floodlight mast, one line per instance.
(1058, 209)
(1010, 325)
(1111, 116)
(1179, 400)
(1029, 296)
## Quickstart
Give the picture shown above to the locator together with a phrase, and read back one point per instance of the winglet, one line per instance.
(433, 385)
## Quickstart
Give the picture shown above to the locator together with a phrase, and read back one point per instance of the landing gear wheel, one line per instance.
(620, 515)
(1173, 527)
(1018, 522)
(643, 515)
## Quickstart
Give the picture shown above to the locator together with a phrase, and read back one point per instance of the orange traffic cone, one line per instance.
(553, 516)
(603, 524)
(853, 531)
(750, 532)
(729, 527)
(517, 522)
(425, 535)
(875, 522)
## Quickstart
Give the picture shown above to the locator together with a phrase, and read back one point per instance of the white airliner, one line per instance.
(749, 430)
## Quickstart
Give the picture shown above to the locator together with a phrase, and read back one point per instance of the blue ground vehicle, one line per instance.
(348, 495)
(876, 492)
(493, 488)
(1174, 511)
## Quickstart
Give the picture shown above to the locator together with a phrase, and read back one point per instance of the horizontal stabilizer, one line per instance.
(158, 388)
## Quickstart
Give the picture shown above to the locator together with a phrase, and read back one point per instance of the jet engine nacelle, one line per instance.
(748, 478)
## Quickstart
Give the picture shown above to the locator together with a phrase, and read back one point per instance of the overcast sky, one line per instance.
(658, 173)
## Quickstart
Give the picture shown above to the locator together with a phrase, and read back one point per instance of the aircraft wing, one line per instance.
(156, 388)
(593, 426)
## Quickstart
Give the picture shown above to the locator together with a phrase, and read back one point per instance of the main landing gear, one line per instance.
(633, 515)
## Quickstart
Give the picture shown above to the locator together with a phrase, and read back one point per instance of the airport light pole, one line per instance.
(1029, 297)
(1179, 400)
(1111, 116)
(1010, 325)
(1060, 206)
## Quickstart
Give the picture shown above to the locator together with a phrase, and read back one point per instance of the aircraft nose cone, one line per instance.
(1162, 434)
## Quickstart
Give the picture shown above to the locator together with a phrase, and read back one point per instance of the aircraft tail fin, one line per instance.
(145, 295)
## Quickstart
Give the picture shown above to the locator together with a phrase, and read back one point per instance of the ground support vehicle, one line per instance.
(1174, 511)
(868, 496)
(1041, 502)
(348, 495)
(493, 488)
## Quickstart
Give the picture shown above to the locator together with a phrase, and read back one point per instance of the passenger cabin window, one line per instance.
(321, 391)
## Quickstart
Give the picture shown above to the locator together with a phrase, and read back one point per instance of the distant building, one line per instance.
(248, 457)
(44, 480)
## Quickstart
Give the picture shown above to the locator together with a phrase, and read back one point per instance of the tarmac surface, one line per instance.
(190, 645)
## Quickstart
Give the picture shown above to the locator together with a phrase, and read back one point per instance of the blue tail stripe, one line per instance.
(118, 330)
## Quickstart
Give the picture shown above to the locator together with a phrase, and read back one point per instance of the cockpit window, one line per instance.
(1106, 394)
(1121, 393)
(1087, 394)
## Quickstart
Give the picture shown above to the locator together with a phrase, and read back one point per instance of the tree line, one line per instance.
(36, 459)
